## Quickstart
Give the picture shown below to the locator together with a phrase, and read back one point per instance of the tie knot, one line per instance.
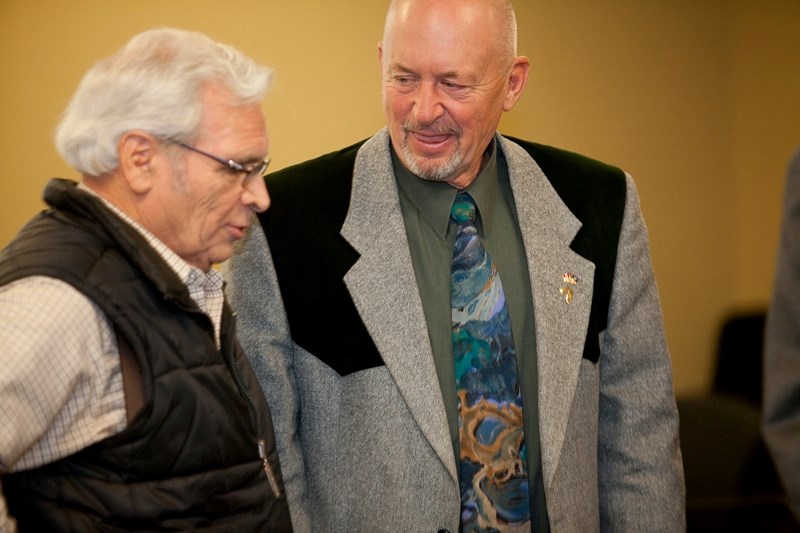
(463, 209)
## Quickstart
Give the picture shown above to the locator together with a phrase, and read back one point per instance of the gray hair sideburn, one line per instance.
(151, 84)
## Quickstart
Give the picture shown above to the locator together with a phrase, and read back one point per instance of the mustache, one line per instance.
(436, 128)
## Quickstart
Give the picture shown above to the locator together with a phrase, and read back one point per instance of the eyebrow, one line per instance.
(249, 159)
(402, 68)
(398, 66)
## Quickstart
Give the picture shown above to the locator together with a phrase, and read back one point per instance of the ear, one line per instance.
(137, 153)
(517, 81)
(380, 54)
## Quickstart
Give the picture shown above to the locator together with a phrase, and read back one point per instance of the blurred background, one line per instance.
(699, 101)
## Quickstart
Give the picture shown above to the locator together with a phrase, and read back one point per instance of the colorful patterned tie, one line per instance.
(493, 469)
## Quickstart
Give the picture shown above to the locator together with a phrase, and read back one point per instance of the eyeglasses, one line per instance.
(256, 169)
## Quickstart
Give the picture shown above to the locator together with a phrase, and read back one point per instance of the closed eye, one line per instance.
(452, 85)
(403, 80)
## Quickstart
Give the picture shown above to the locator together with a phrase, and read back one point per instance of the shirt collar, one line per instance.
(434, 199)
(189, 274)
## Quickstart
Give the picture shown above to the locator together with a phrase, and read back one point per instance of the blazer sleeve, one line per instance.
(640, 467)
(781, 418)
(263, 331)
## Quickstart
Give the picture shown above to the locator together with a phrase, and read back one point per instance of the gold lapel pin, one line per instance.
(566, 291)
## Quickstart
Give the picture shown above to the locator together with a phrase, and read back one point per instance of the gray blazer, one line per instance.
(782, 347)
(370, 450)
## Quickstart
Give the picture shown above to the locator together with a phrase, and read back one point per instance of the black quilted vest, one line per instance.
(190, 459)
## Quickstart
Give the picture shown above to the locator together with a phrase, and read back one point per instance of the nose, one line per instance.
(428, 105)
(255, 195)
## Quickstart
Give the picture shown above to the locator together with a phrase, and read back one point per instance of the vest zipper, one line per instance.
(262, 452)
(237, 379)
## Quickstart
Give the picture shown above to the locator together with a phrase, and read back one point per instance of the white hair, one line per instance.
(508, 36)
(152, 84)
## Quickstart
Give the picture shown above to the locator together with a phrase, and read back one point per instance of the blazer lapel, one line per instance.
(548, 228)
(384, 290)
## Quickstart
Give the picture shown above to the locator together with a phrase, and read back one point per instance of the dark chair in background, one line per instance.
(731, 483)
(739, 367)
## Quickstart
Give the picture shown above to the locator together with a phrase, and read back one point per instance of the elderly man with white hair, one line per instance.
(127, 401)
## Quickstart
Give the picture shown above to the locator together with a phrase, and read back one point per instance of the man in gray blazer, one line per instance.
(782, 348)
(343, 298)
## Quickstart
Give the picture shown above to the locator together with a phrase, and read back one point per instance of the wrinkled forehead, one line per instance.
(431, 18)
(440, 35)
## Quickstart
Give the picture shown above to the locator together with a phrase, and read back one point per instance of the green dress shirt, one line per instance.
(431, 236)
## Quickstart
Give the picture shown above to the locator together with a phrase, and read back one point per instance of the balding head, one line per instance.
(495, 17)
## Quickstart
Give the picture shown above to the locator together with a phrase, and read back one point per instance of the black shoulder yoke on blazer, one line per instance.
(595, 193)
(309, 205)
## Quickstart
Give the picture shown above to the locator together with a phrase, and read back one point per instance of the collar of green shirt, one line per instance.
(434, 199)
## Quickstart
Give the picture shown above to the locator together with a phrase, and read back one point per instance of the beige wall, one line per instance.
(700, 101)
